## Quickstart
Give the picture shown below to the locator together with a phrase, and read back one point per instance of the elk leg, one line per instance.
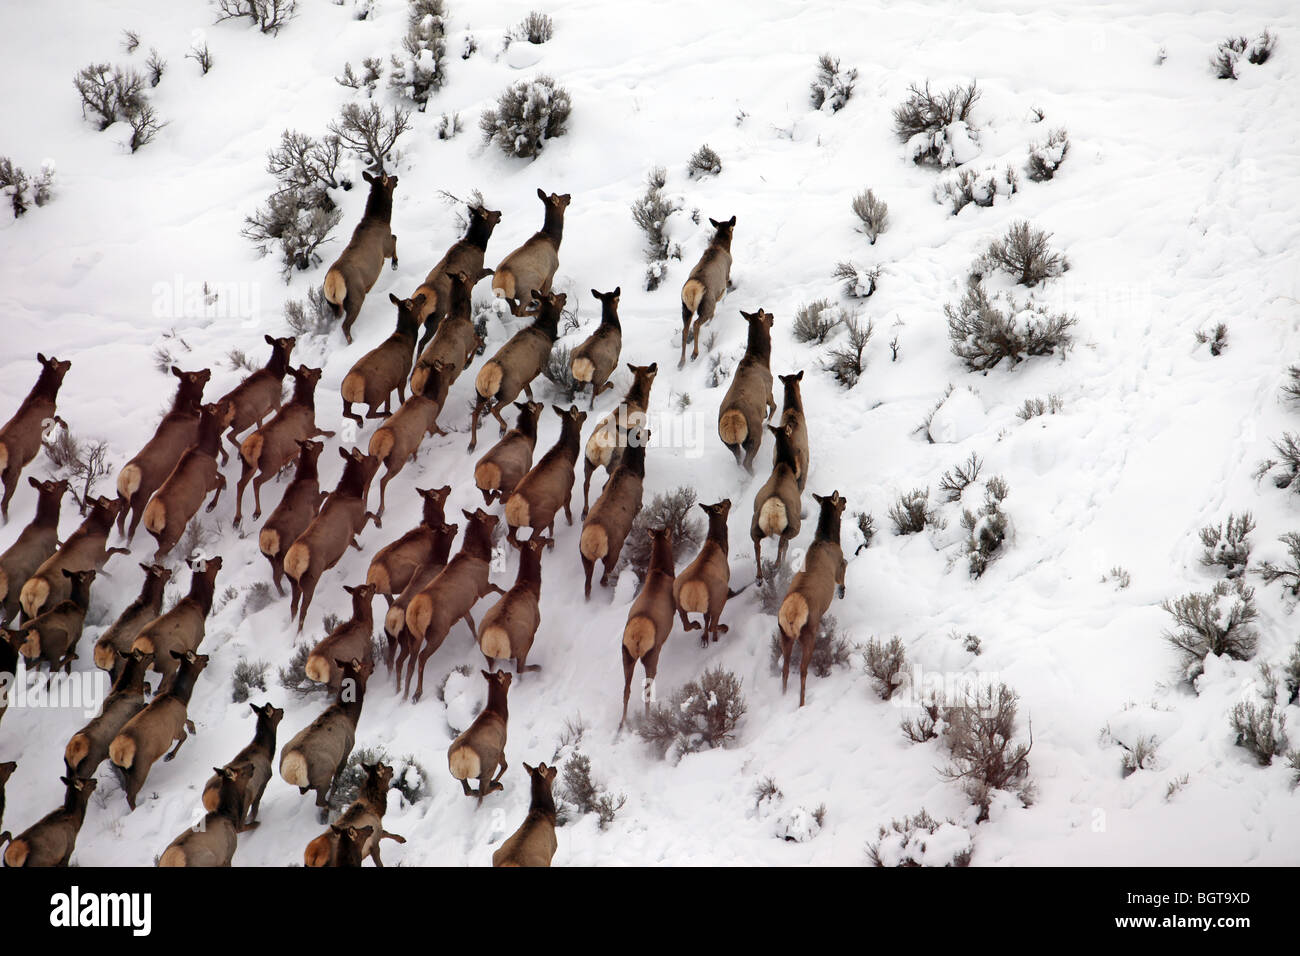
(277, 574)
(473, 628)
(180, 739)
(221, 486)
(686, 332)
(354, 543)
(109, 553)
(383, 487)
(650, 663)
(629, 665)
(587, 566)
(392, 252)
(308, 587)
(349, 413)
(241, 483)
(496, 413)
(588, 469)
(780, 550)
(295, 592)
(758, 555)
(123, 508)
(787, 646)
(465, 786)
(425, 653)
(479, 402)
(138, 501)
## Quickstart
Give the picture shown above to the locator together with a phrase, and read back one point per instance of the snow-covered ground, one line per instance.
(1177, 207)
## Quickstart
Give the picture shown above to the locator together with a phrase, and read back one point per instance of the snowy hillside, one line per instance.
(1177, 207)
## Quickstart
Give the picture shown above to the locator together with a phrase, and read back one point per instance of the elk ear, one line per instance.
(177, 372)
(343, 453)
(732, 222)
(716, 224)
(799, 377)
(653, 368)
(394, 299)
(541, 195)
(469, 516)
(34, 483)
(365, 174)
(486, 674)
(618, 291)
(484, 273)
(536, 295)
(595, 293)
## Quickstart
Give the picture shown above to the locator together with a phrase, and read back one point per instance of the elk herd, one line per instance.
(428, 585)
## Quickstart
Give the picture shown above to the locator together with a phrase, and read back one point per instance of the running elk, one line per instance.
(317, 754)
(35, 544)
(480, 751)
(792, 412)
(213, 840)
(20, 438)
(395, 564)
(300, 504)
(181, 630)
(256, 759)
(350, 849)
(594, 360)
(83, 550)
(456, 341)
(115, 643)
(707, 284)
(51, 637)
(88, 747)
(398, 439)
(530, 268)
(606, 528)
(195, 475)
(395, 629)
(260, 393)
(748, 403)
(650, 620)
(548, 486)
(705, 585)
(505, 464)
(385, 367)
(811, 591)
(534, 843)
(465, 256)
(350, 639)
(51, 840)
(604, 448)
(364, 817)
(517, 363)
(510, 625)
(777, 509)
(355, 271)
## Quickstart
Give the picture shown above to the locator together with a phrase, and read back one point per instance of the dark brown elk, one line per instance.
(531, 267)
(35, 544)
(350, 849)
(398, 439)
(606, 527)
(275, 444)
(148, 735)
(51, 637)
(480, 752)
(548, 486)
(505, 464)
(516, 363)
(194, 477)
(51, 840)
(594, 361)
(395, 564)
(384, 368)
(705, 585)
(650, 620)
(256, 757)
(83, 550)
(811, 591)
(176, 433)
(6, 771)
(777, 508)
(456, 341)
(317, 754)
(395, 630)
(707, 284)
(604, 448)
(260, 393)
(364, 816)
(301, 502)
(748, 403)
(792, 411)
(534, 843)
(464, 256)
(350, 639)
(88, 747)
(115, 643)
(354, 272)
(181, 630)
(213, 840)
(20, 438)
(510, 625)
(342, 517)
(449, 598)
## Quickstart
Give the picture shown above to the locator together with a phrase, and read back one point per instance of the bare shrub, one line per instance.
(1024, 254)
(290, 222)
(980, 736)
(912, 513)
(1216, 338)
(156, 67)
(201, 55)
(1033, 407)
(130, 40)
(83, 463)
(981, 188)
(309, 165)
(832, 87)
(674, 510)
(1261, 48)
(815, 321)
(369, 133)
(954, 481)
(984, 330)
(417, 71)
(1227, 545)
(1226, 55)
(410, 778)
(704, 162)
(1260, 730)
(859, 282)
(1215, 622)
(1141, 756)
(933, 115)
(145, 125)
(986, 528)
(915, 841)
(831, 650)
(21, 190)
(449, 126)
(1288, 574)
(535, 28)
(293, 676)
(309, 318)
(1045, 158)
(774, 586)
(651, 213)
(249, 676)
(577, 787)
(866, 528)
(267, 15)
(925, 726)
(845, 362)
(872, 213)
(702, 714)
(109, 93)
(367, 81)
(884, 663)
(526, 115)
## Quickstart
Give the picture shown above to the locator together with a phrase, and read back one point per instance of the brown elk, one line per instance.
(395, 564)
(365, 817)
(448, 598)
(385, 367)
(748, 403)
(398, 439)
(83, 550)
(195, 475)
(517, 363)
(260, 393)
(183, 627)
(530, 268)
(480, 751)
(792, 411)
(456, 341)
(300, 504)
(88, 747)
(349, 851)
(115, 643)
(777, 509)
(707, 284)
(505, 464)
(213, 840)
(606, 527)
(355, 271)
(274, 445)
(604, 448)
(811, 591)
(176, 433)
(548, 486)
(704, 587)
(352, 638)
(510, 625)
(20, 438)
(51, 637)
(35, 544)
(650, 620)
(317, 754)
(395, 630)
(256, 757)
(342, 517)
(464, 256)
(148, 735)
(594, 361)
(51, 840)
(534, 843)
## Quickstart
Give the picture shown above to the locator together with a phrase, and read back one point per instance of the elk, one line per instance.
(350, 849)
(548, 486)
(88, 747)
(20, 438)
(83, 550)
(348, 640)
(748, 403)
(52, 635)
(395, 630)
(260, 393)
(148, 735)
(707, 284)
(176, 433)
(398, 439)
(385, 367)
(364, 817)
(181, 630)
(792, 411)
(195, 475)
(777, 510)
(300, 504)
(517, 363)
(456, 341)
(449, 597)
(811, 591)
(354, 272)
(213, 841)
(256, 758)
(480, 751)
(533, 844)
(650, 620)
(51, 840)
(604, 448)
(510, 625)
(505, 464)
(606, 527)
(317, 754)
(594, 360)
(6, 771)
(342, 517)
(395, 564)
(275, 444)
(531, 267)
(704, 587)
(115, 643)
(465, 256)
(35, 544)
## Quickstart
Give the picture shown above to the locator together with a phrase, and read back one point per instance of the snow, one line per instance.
(1176, 204)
